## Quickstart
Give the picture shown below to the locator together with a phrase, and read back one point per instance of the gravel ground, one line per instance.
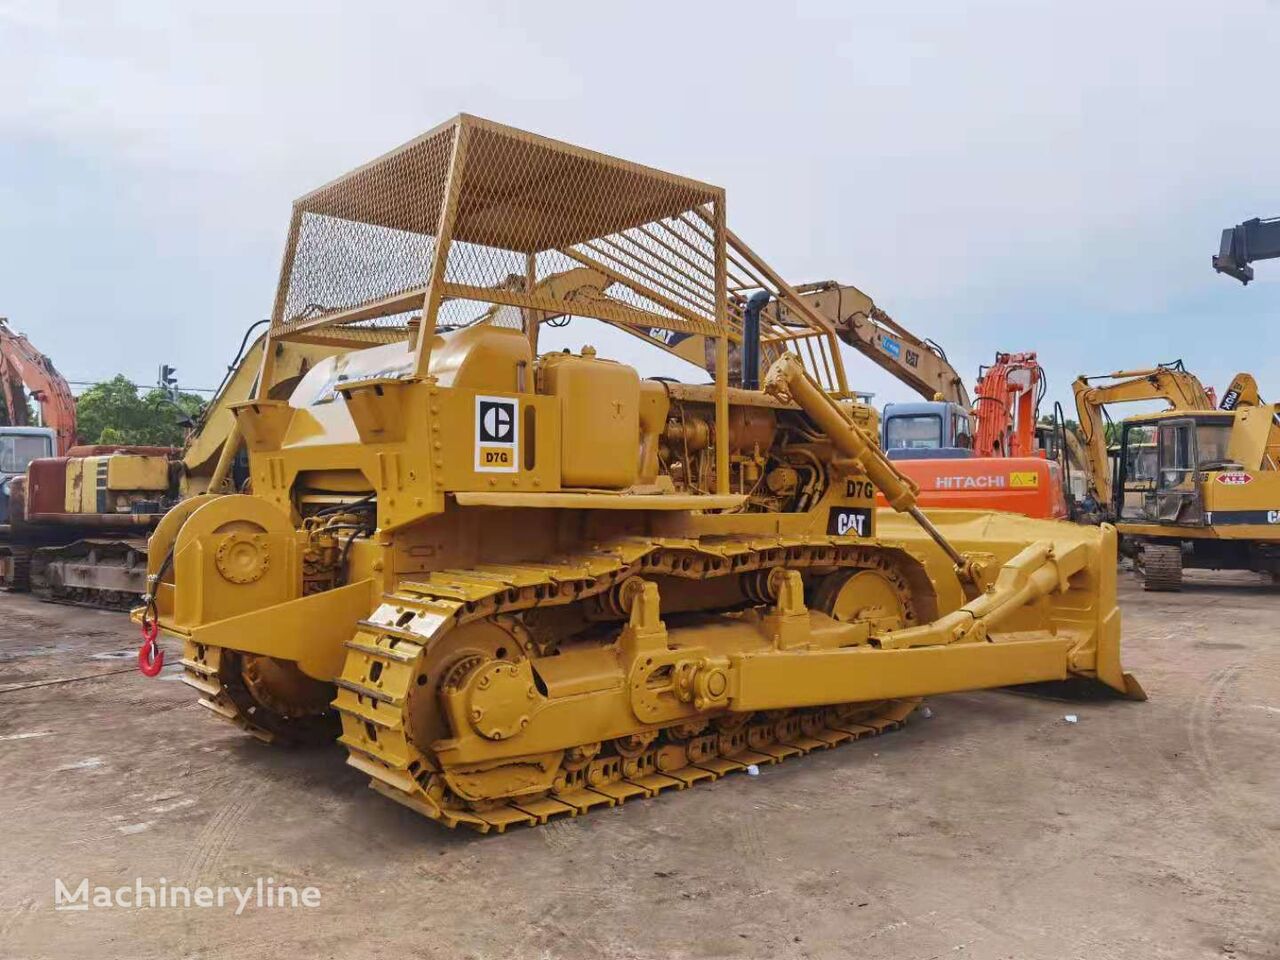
(995, 829)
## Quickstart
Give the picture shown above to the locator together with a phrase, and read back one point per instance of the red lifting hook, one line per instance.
(150, 656)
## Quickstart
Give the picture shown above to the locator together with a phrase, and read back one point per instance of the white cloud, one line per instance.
(998, 175)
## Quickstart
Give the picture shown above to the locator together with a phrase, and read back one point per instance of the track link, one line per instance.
(215, 674)
(17, 569)
(1162, 567)
(384, 658)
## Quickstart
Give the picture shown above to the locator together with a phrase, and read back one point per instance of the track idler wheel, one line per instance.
(878, 597)
(278, 699)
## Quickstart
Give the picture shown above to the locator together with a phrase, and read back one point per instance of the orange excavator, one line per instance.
(990, 456)
(25, 370)
(1007, 402)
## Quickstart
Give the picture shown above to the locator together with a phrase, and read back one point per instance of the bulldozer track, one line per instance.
(382, 668)
(384, 656)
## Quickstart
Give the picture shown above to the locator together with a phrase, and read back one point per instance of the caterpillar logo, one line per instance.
(497, 435)
(849, 522)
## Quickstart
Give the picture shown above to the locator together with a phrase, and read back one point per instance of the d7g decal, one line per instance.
(849, 522)
(497, 435)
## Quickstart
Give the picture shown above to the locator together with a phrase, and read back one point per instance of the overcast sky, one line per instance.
(1047, 176)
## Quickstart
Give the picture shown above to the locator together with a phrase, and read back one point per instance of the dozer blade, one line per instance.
(1087, 600)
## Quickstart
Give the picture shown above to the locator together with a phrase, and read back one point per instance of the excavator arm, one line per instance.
(856, 320)
(23, 367)
(920, 364)
(1008, 405)
(1255, 239)
(1170, 382)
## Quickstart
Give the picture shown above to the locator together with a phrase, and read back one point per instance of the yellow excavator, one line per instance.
(918, 362)
(521, 586)
(1196, 485)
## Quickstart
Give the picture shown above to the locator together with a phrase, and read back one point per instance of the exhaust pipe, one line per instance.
(751, 340)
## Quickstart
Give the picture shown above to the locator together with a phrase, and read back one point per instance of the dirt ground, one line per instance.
(995, 829)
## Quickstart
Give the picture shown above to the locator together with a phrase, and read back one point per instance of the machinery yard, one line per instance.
(551, 566)
(995, 828)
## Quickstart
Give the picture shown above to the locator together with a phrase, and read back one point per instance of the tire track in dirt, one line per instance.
(211, 843)
(1201, 723)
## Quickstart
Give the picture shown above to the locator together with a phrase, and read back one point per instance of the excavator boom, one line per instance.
(23, 367)
(1008, 400)
(1170, 382)
(919, 363)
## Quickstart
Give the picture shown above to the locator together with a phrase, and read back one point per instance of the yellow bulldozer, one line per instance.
(1196, 485)
(519, 586)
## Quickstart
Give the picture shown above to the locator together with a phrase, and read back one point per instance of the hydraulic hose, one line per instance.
(788, 378)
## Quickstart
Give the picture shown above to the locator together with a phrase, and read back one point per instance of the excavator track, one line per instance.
(1161, 567)
(109, 574)
(17, 569)
(387, 658)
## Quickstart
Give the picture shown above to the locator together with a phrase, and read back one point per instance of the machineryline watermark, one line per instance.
(264, 894)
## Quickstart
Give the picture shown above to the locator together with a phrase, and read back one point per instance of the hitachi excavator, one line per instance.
(77, 523)
(986, 455)
(24, 371)
(1196, 485)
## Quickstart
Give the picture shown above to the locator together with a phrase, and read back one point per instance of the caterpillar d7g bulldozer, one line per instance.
(524, 586)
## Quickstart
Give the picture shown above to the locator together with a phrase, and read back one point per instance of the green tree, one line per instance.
(4, 411)
(113, 412)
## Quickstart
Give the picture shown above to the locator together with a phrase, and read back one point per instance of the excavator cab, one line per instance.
(18, 447)
(1177, 496)
(1161, 464)
(929, 430)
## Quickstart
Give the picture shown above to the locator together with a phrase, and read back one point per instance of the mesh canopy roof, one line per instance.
(475, 221)
(502, 196)
(519, 191)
